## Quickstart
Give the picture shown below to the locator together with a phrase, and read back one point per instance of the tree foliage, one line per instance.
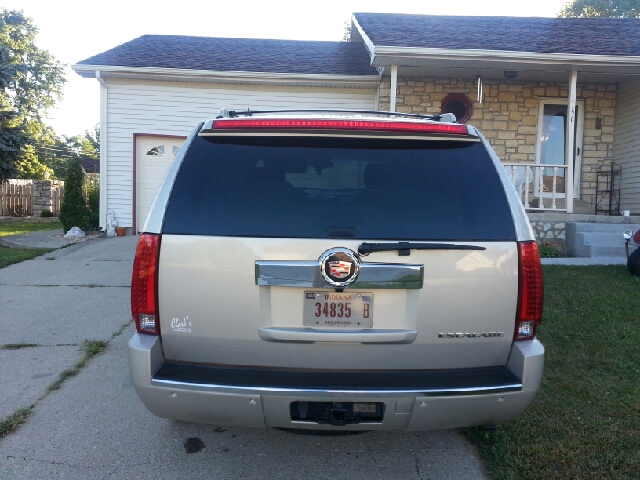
(93, 137)
(74, 211)
(31, 82)
(13, 138)
(601, 8)
(346, 31)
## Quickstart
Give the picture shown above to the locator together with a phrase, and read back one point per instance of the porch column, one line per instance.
(571, 128)
(394, 87)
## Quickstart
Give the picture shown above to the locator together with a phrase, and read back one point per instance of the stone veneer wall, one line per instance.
(508, 116)
(43, 195)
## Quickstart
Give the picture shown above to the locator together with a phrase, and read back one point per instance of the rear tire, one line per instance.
(633, 262)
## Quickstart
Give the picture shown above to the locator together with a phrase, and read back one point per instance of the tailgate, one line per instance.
(213, 312)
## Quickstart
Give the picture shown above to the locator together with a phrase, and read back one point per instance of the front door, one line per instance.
(551, 144)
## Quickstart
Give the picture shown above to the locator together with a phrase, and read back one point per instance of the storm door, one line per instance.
(551, 144)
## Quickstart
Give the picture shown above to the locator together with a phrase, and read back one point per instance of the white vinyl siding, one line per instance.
(626, 144)
(168, 108)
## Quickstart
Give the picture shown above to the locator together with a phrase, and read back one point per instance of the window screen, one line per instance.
(338, 187)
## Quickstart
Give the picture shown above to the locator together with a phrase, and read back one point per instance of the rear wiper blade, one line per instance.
(404, 248)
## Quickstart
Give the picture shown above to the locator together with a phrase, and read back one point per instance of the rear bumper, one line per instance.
(424, 400)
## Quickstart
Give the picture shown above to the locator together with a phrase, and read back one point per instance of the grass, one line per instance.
(20, 228)
(17, 346)
(13, 421)
(9, 256)
(91, 348)
(585, 421)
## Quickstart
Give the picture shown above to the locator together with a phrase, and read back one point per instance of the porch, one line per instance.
(551, 125)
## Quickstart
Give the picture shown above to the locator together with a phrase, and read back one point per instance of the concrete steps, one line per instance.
(597, 239)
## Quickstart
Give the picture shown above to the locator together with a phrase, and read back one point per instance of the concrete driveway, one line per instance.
(95, 427)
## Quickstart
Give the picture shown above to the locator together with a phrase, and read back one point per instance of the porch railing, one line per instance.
(539, 186)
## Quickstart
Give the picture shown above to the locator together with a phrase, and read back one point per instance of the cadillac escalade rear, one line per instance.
(331, 272)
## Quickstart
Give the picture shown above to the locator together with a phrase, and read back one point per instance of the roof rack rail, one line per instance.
(445, 117)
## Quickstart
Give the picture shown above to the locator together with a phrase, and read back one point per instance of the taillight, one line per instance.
(415, 127)
(144, 285)
(636, 237)
(531, 291)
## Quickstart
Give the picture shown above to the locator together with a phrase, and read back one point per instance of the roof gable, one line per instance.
(587, 36)
(238, 54)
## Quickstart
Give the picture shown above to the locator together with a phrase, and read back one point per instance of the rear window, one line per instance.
(323, 187)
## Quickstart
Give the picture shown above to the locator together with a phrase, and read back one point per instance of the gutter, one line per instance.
(103, 152)
(379, 52)
(268, 78)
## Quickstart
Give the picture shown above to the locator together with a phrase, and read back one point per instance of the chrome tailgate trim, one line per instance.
(305, 274)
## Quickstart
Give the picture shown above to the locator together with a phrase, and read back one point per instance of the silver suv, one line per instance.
(335, 271)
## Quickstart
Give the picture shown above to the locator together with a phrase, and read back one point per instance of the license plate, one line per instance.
(338, 310)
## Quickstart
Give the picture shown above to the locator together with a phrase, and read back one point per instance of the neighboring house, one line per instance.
(90, 165)
(514, 78)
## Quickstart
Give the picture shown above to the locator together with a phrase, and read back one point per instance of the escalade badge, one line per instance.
(339, 266)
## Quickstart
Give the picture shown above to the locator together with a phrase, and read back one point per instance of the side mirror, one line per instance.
(628, 235)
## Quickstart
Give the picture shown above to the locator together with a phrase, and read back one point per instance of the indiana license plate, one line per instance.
(338, 310)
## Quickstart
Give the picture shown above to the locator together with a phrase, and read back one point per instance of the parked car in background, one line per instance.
(633, 255)
(337, 271)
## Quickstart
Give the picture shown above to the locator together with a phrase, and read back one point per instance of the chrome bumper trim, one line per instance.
(304, 274)
(308, 392)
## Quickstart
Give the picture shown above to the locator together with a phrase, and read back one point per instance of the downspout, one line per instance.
(569, 154)
(103, 151)
(394, 87)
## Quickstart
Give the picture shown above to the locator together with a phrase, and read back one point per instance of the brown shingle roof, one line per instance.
(587, 36)
(238, 54)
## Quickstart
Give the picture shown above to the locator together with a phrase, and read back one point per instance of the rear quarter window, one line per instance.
(326, 187)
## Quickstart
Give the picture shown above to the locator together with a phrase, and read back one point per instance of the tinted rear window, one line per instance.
(337, 187)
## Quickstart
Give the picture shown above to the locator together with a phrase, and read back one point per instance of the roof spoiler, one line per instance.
(444, 117)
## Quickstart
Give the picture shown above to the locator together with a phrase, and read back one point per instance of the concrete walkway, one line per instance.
(41, 239)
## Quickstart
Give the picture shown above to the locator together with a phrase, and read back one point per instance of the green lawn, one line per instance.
(9, 256)
(585, 421)
(19, 228)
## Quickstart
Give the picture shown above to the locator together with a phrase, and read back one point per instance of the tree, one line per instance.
(93, 137)
(31, 82)
(346, 31)
(601, 8)
(74, 211)
(13, 138)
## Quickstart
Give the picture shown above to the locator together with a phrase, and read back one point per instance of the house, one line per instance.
(155, 89)
(90, 165)
(524, 82)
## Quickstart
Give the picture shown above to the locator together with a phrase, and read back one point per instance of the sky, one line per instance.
(73, 30)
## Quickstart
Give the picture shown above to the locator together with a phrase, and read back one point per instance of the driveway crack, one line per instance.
(415, 456)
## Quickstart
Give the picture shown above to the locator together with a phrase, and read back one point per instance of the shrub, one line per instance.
(46, 213)
(550, 250)
(74, 211)
(93, 203)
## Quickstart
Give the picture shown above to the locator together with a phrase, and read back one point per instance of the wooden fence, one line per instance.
(30, 199)
(56, 200)
(16, 200)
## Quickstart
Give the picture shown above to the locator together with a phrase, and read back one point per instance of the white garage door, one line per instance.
(153, 157)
